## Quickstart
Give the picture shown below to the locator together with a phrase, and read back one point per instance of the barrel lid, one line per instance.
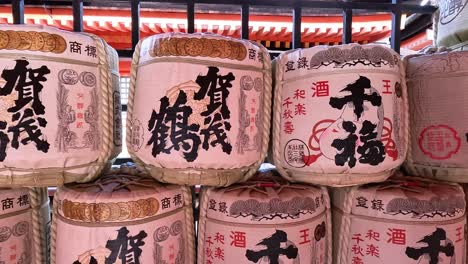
(48, 42)
(404, 198)
(339, 58)
(203, 46)
(265, 199)
(124, 194)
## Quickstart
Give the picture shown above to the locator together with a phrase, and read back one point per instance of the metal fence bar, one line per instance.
(395, 39)
(297, 11)
(245, 21)
(190, 16)
(77, 6)
(135, 23)
(347, 25)
(18, 11)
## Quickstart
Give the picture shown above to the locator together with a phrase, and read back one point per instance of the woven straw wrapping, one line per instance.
(450, 24)
(321, 174)
(192, 173)
(123, 198)
(434, 110)
(67, 166)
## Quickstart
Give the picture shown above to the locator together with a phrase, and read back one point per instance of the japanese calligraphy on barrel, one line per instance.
(265, 220)
(59, 106)
(403, 220)
(124, 215)
(438, 114)
(450, 27)
(24, 225)
(339, 114)
(199, 108)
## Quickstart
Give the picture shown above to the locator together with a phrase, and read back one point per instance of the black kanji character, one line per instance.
(215, 128)
(252, 54)
(120, 247)
(290, 66)
(34, 134)
(358, 96)
(23, 200)
(273, 249)
(90, 51)
(216, 87)
(434, 247)
(75, 47)
(166, 203)
(7, 203)
(212, 205)
(346, 147)
(4, 140)
(177, 200)
(222, 207)
(377, 205)
(372, 151)
(361, 202)
(27, 82)
(181, 133)
(302, 62)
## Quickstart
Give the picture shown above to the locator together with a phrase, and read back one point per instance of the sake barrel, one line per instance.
(403, 220)
(339, 114)
(199, 108)
(58, 101)
(24, 225)
(125, 216)
(439, 114)
(451, 28)
(264, 220)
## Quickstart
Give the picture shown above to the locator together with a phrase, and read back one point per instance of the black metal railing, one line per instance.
(395, 7)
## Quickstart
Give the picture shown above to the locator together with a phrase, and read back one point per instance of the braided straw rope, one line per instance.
(204, 194)
(346, 226)
(454, 174)
(435, 26)
(39, 201)
(330, 179)
(53, 229)
(189, 225)
(328, 227)
(207, 176)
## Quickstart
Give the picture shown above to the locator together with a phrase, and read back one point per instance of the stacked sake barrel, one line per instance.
(59, 97)
(204, 118)
(124, 215)
(340, 114)
(450, 25)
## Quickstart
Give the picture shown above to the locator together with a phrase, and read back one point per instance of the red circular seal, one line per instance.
(439, 142)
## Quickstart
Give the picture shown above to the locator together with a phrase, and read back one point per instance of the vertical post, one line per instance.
(347, 25)
(395, 40)
(297, 27)
(190, 16)
(77, 15)
(18, 11)
(245, 21)
(135, 22)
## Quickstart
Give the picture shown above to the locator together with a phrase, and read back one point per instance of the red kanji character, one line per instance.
(80, 95)
(171, 246)
(219, 253)
(79, 105)
(209, 242)
(357, 250)
(287, 102)
(299, 94)
(358, 238)
(287, 114)
(288, 127)
(252, 110)
(79, 125)
(387, 86)
(219, 238)
(238, 239)
(254, 100)
(397, 236)
(172, 256)
(357, 260)
(459, 234)
(299, 109)
(209, 253)
(373, 251)
(373, 235)
(321, 89)
(435, 141)
(304, 236)
(80, 115)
